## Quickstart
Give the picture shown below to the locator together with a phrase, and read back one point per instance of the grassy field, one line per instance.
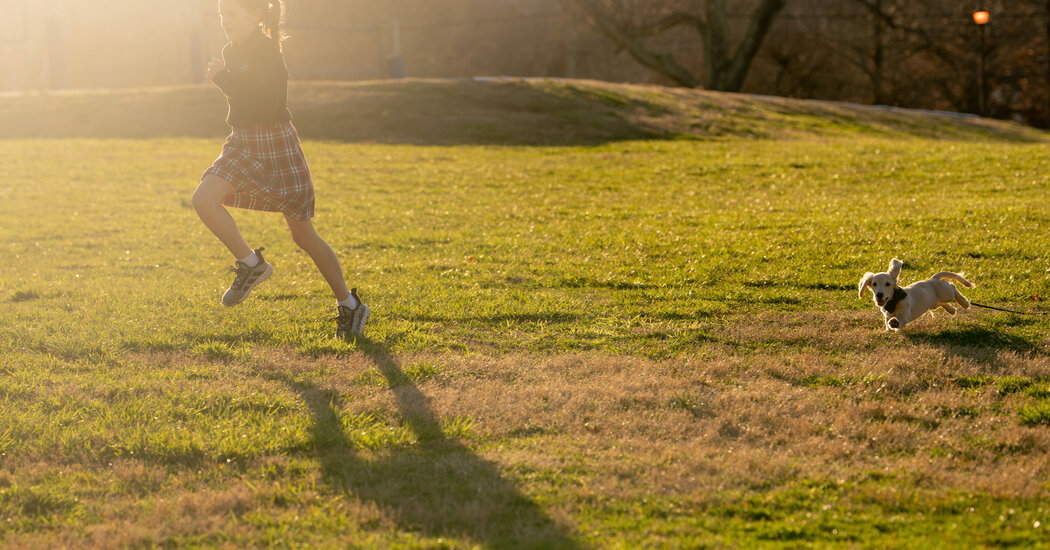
(642, 332)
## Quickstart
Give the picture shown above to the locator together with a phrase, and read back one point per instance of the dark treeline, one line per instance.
(910, 53)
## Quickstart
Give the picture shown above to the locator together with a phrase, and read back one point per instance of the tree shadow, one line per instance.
(438, 486)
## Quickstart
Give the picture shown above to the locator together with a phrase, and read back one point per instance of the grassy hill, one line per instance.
(531, 112)
(644, 333)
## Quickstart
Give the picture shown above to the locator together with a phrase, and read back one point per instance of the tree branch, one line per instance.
(725, 69)
(673, 20)
(664, 64)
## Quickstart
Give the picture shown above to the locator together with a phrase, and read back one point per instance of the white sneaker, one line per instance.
(247, 278)
(351, 322)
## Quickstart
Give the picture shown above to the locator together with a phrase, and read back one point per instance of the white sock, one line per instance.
(349, 302)
(251, 260)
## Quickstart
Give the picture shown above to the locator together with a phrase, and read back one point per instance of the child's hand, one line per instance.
(215, 66)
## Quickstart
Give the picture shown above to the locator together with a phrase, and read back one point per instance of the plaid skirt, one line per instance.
(265, 163)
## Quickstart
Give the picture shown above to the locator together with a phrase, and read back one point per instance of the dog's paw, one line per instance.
(894, 323)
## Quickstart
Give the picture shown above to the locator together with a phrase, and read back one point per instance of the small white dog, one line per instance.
(901, 306)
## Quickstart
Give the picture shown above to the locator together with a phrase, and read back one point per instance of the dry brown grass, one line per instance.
(696, 426)
(570, 431)
(737, 422)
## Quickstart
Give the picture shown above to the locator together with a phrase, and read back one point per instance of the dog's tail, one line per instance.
(953, 276)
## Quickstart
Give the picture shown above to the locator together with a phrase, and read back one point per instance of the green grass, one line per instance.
(639, 343)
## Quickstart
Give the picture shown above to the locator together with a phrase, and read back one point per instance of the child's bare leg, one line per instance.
(304, 235)
(207, 201)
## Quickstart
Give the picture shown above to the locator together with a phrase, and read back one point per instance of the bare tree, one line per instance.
(916, 53)
(918, 33)
(629, 23)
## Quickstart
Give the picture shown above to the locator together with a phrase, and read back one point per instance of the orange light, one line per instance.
(980, 17)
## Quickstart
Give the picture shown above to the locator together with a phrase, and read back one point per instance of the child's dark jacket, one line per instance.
(255, 82)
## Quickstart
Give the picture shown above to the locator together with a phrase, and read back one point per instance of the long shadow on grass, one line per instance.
(437, 486)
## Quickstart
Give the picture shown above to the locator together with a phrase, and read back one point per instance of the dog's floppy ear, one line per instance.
(895, 269)
(865, 282)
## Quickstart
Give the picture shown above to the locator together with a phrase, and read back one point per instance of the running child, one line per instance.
(262, 166)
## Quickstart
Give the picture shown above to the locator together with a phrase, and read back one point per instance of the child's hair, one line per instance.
(273, 18)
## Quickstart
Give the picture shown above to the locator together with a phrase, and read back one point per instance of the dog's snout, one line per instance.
(878, 295)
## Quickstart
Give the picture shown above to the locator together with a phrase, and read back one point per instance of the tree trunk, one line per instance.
(1047, 116)
(877, 57)
(731, 79)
